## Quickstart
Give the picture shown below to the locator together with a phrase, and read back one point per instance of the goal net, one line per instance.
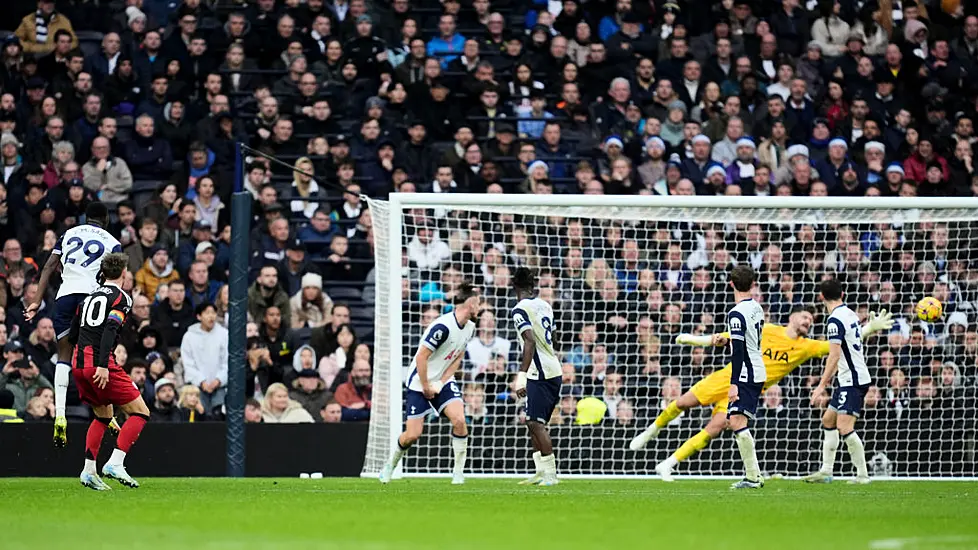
(626, 275)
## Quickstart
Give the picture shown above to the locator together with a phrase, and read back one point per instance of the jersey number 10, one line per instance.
(94, 310)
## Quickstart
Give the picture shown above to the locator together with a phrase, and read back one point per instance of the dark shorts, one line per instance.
(65, 309)
(120, 389)
(541, 398)
(848, 400)
(417, 406)
(747, 397)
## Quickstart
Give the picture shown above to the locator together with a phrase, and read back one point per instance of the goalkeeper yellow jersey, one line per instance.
(781, 356)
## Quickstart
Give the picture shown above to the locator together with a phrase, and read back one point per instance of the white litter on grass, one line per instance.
(923, 542)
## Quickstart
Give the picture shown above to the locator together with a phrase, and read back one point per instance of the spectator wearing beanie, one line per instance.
(310, 305)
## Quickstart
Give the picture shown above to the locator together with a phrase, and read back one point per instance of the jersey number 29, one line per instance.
(93, 250)
(94, 310)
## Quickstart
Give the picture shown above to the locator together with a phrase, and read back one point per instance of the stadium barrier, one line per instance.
(192, 450)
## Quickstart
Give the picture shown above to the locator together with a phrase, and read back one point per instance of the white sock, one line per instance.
(858, 453)
(671, 462)
(549, 464)
(745, 443)
(61, 372)
(398, 453)
(90, 467)
(830, 445)
(117, 458)
(536, 462)
(460, 446)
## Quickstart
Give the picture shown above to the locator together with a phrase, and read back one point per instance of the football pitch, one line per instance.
(426, 514)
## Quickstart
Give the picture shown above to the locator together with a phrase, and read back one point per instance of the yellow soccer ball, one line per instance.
(929, 309)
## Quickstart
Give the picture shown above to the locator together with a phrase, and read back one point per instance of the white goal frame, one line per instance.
(389, 360)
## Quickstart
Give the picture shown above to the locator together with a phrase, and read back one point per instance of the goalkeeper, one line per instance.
(784, 349)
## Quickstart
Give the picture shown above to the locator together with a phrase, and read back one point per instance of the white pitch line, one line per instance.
(919, 542)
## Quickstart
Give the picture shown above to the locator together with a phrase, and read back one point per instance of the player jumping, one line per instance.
(534, 319)
(785, 349)
(78, 255)
(101, 382)
(745, 323)
(846, 357)
(431, 385)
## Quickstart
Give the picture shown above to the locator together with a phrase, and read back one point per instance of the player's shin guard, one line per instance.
(857, 452)
(93, 440)
(127, 437)
(692, 446)
(830, 445)
(460, 446)
(745, 443)
(61, 373)
(537, 463)
(671, 412)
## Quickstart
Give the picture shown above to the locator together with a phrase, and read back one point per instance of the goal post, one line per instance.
(626, 274)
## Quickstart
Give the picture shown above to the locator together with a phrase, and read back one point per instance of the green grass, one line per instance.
(485, 514)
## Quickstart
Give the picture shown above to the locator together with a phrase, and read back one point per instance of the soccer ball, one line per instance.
(929, 309)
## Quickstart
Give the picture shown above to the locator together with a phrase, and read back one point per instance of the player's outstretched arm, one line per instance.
(877, 322)
(703, 340)
(51, 266)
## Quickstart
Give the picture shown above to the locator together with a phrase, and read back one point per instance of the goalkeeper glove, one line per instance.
(878, 321)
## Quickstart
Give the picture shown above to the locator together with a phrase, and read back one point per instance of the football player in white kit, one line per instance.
(846, 357)
(78, 255)
(540, 373)
(745, 322)
(431, 386)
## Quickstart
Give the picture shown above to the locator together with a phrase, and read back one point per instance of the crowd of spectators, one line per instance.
(139, 104)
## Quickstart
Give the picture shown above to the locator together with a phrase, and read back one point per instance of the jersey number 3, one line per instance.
(94, 310)
(92, 249)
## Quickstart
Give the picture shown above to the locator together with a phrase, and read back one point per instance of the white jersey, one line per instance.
(536, 315)
(81, 249)
(745, 322)
(447, 340)
(843, 328)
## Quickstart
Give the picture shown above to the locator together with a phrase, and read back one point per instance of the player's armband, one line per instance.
(117, 316)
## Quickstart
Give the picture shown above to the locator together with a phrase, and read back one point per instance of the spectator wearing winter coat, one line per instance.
(308, 389)
(204, 351)
(157, 270)
(39, 39)
(147, 156)
(266, 293)
(320, 231)
(200, 289)
(106, 176)
(173, 316)
(277, 408)
(310, 306)
(23, 387)
(829, 31)
(165, 407)
(354, 395)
